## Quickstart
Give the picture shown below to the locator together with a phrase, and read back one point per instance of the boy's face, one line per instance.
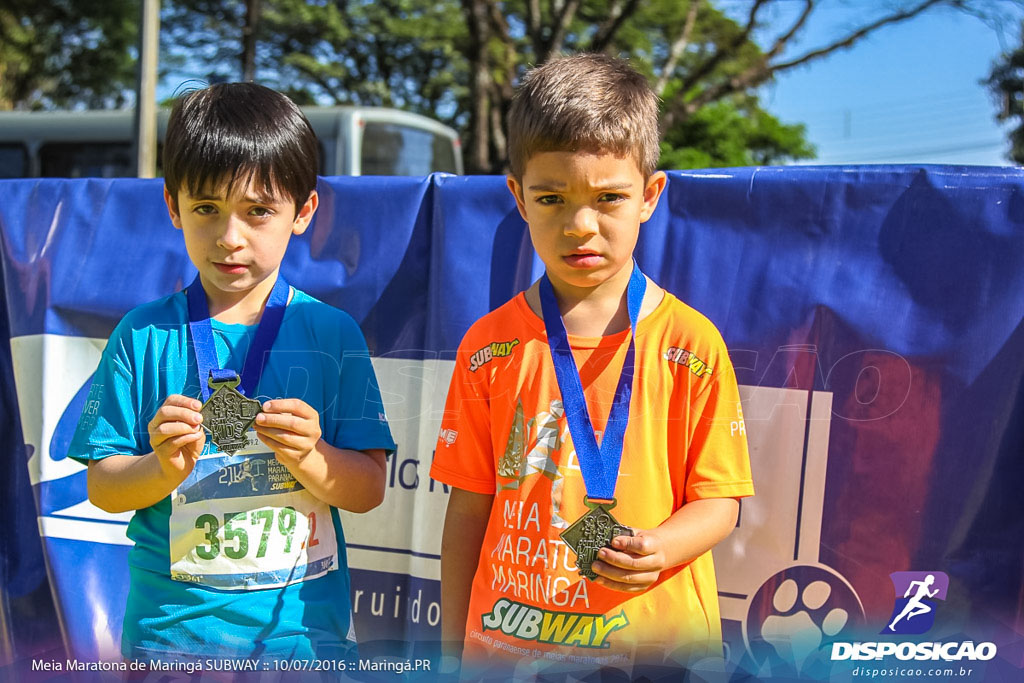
(237, 241)
(584, 210)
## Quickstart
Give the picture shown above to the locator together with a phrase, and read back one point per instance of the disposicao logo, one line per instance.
(913, 613)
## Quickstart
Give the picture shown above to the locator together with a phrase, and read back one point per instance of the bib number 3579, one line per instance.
(214, 543)
(273, 529)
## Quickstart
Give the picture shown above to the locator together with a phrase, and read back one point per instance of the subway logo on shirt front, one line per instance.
(556, 628)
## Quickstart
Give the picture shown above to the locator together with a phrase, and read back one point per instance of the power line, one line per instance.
(905, 155)
(918, 101)
(923, 134)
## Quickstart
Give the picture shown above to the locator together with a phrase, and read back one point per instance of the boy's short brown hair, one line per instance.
(233, 132)
(584, 102)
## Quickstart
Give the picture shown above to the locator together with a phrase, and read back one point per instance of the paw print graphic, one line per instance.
(793, 630)
(795, 613)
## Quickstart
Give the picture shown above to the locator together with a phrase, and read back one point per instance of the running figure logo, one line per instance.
(914, 612)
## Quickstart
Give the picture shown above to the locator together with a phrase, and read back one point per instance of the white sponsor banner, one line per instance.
(787, 430)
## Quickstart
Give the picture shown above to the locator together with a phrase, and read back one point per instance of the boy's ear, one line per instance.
(305, 214)
(517, 191)
(172, 208)
(652, 193)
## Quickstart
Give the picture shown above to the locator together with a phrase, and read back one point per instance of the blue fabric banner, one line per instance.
(874, 316)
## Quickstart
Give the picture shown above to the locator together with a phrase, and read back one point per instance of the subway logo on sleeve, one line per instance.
(482, 357)
(687, 359)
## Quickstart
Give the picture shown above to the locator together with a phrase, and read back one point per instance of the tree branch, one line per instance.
(678, 47)
(857, 35)
(780, 43)
(478, 24)
(250, 28)
(499, 24)
(698, 74)
(565, 17)
(498, 141)
(853, 37)
(762, 71)
(533, 26)
(617, 16)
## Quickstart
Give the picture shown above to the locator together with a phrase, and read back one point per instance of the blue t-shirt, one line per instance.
(234, 563)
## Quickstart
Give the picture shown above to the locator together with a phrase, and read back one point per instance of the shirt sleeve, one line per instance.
(109, 424)
(718, 463)
(464, 456)
(359, 421)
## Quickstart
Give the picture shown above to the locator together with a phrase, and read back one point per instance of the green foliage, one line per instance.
(725, 134)
(1007, 83)
(454, 60)
(67, 53)
(733, 131)
(398, 53)
(418, 55)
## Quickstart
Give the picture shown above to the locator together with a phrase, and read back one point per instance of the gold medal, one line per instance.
(591, 532)
(227, 415)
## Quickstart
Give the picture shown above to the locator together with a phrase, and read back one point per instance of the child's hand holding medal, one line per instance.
(633, 563)
(176, 435)
(290, 427)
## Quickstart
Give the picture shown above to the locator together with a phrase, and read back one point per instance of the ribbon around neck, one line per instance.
(206, 353)
(599, 465)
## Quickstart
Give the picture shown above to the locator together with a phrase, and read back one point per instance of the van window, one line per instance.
(394, 149)
(13, 160)
(86, 160)
(444, 154)
(99, 143)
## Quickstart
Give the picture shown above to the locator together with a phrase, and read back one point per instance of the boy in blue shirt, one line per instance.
(239, 550)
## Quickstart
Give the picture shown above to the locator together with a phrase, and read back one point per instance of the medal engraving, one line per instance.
(591, 532)
(227, 416)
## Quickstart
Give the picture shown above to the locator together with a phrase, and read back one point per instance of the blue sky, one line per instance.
(909, 93)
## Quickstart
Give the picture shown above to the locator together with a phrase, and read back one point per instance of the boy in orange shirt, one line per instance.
(589, 432)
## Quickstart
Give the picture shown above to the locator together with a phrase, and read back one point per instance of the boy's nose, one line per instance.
(582, 222)
(231, 236)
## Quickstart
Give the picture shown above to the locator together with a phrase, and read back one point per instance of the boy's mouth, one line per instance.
(230, 268)
(582, 259)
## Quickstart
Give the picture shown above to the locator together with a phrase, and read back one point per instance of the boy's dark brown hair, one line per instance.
(586, 102)
(231, 132)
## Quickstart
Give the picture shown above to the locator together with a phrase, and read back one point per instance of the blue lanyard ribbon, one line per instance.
(599, 465)
(206, 352)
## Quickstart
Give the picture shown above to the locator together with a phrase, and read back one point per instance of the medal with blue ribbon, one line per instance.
(227, 411)
(598, 464)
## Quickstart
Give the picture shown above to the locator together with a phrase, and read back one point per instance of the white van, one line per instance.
(353, 141)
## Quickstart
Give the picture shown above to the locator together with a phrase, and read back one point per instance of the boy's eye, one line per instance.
(260, 212)
(205, 209)
(611, 197)
(549, 199)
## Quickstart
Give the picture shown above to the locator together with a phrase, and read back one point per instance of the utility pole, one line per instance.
(145, 96)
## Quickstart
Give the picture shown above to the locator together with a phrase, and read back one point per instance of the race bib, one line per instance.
(243, 522)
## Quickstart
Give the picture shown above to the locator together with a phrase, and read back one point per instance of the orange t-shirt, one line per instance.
(504, 433)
